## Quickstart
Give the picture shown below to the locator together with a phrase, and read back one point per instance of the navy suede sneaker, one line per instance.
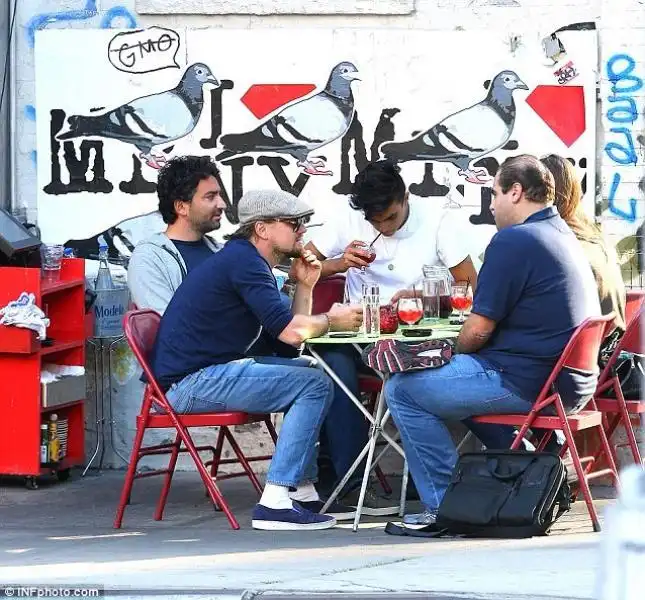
(289, 519)
(339, 511)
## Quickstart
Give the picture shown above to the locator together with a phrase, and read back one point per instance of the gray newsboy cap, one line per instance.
(260, 205)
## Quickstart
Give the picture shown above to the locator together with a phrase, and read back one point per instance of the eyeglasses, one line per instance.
(295, 223)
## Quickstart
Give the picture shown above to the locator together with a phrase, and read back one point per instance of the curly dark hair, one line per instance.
(178, 180)
(377, 187)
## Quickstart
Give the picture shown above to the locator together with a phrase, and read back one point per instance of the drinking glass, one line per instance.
(460, 299)
(371, 310)
(410, 310)
(369, 249)
(51, 257)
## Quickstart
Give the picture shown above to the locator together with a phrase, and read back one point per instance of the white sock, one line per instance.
(276, 496)
(305, 493)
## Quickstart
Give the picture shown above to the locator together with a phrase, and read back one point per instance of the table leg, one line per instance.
(404, 487)
(377, 423)
(375, 429)
(98, 389)
(111, 421)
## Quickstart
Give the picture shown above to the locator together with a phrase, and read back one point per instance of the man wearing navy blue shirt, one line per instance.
(534, 289)
(203, 357)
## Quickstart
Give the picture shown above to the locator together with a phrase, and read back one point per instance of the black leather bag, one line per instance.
(630, 369)
(499, 494)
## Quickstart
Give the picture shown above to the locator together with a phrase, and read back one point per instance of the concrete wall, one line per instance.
(513, 27)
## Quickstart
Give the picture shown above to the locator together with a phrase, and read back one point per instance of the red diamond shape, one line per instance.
(262, 99)
(562, 108)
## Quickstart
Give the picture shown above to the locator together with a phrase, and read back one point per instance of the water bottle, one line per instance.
(623, 547)
(104, 278)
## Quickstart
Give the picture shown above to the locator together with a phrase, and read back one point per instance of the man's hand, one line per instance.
(306, 269)
(406, 294)
(343, 317)
(355, 256)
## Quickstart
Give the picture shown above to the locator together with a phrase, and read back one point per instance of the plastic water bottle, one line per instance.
(623, 547)
(103, 278)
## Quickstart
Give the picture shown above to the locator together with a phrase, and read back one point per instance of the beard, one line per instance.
(206, 226)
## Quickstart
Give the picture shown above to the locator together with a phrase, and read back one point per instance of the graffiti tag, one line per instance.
(621, 150)
(144, 50)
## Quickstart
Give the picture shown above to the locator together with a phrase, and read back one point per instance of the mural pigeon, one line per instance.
(304, 126)
(150, 120)
(468, 134)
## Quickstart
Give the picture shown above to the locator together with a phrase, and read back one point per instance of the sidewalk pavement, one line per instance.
(62, 534)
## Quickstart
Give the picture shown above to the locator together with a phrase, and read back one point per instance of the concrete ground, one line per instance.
(62, 534)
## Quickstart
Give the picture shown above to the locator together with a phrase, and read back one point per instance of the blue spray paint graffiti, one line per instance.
(624, 83)
(89, 12)
(118, 16)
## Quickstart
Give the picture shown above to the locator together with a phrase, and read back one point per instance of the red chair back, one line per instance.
(634, 302)
(581, 352)
(141, 327)
(326, 292)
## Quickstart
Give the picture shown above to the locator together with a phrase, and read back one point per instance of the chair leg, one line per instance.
(129, 475)
(610, 457)
(242, 458)
(174, 453)
(627, 424)
(382, 480)
(217, 455)
(609, 427)
(271, 429)
(213, 491)
(575, 456)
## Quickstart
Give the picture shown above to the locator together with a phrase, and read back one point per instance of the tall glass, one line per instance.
(371, 310)
(460, 299)
(436, 293)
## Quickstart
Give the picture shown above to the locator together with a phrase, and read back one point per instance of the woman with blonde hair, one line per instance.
(602, 258)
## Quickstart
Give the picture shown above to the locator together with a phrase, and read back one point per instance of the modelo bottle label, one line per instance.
(109, 309)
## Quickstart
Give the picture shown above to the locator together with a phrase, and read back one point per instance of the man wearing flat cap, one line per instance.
(201, 355)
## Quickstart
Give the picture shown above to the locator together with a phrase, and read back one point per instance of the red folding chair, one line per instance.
(580, 353)
(617, 410)
(141, 328)
(327, 291)
(634, 302)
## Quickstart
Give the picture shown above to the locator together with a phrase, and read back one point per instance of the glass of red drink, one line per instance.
(410, 310)
(460, 299)
(369, 249)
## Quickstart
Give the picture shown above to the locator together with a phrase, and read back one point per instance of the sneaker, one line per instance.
(289, 519)
(373, 504)
(339, 511)
(427, 517)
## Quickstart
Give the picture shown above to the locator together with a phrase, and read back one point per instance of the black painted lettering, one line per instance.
(276, 164)
(216, 114)
(138, 184)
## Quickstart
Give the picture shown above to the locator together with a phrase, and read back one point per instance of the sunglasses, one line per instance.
(295, 223)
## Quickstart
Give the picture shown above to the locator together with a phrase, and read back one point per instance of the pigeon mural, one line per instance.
(468, 134)
(304, 126)
(150, 120)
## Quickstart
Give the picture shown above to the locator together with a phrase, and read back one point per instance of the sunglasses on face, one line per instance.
(295, 223)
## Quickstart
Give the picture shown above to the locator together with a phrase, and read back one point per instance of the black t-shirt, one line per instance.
(193, 253)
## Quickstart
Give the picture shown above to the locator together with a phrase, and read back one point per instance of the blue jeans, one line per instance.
(266, 385)
(344, 433)
(420, 402)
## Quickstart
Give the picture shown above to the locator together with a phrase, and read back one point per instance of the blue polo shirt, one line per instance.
(218, 312)
(537, 284)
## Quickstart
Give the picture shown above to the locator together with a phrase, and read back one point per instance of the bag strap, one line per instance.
(427, 531)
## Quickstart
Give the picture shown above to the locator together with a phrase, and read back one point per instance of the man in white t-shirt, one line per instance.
(409, 233)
